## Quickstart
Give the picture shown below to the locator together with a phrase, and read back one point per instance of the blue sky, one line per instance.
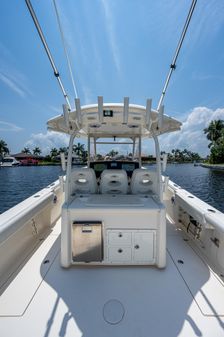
(117, 48)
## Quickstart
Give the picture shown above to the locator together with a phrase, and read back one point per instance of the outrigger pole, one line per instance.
(40, 32)
(173, 64)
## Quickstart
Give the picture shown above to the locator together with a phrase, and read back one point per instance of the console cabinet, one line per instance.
(131, 246)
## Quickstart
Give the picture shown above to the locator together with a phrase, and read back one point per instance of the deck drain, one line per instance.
(211, 210)
(46, 261)
(113, 311)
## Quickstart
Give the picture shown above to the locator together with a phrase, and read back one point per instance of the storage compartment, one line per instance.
(144, 246)
(119, 254)
(131, 246)
(87, 241)
(119, 238)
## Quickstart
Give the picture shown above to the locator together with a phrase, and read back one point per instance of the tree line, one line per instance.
(185, 156)
(176, 155)
(78, 149)
(215, 133)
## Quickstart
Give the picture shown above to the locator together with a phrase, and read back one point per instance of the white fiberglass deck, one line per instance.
(181, 300)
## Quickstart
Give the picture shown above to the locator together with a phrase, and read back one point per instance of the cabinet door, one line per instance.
(116, 237)
(119, 254)
(144, 246)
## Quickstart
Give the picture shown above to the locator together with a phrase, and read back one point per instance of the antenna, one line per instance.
(44, 42)
(173, 64)
(65, 49)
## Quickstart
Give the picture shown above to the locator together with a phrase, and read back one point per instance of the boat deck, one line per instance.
(44, 300)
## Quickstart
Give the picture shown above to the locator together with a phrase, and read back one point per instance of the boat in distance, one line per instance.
(112, 249)
(8, 161)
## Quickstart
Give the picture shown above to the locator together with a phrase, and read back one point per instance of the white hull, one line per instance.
(7, 165)
(9, 162)
(39, 298)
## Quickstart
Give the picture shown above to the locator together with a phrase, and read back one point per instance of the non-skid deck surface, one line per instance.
(181, 300)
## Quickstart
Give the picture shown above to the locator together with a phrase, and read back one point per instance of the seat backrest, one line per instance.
(83, 180)
(144, 181)
(114, 182)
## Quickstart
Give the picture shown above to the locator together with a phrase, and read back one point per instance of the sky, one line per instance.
(117, 48)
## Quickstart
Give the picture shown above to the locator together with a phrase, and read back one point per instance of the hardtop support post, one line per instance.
(69, 168)
(140, 151)
(88, 161)
(133, 149)
(158, 167)
(94, 140)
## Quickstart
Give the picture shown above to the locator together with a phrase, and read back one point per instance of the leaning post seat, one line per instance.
(114, 182)
(83, 180)
(144, 181)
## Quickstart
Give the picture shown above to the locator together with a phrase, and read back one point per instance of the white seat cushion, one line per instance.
(144, 182)
(114, 182)
(83, 180)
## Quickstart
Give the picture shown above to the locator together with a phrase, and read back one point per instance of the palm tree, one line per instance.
(79, 149)
(112, 153)
(36, 151)
(3, 148)
(26, 150)
(214, 131)
(54, 152)
(84, 156)
(63, 150)
(99, 156)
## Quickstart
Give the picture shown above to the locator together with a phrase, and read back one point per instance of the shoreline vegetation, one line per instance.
(80, 155)
(214, 133)
(213, 166)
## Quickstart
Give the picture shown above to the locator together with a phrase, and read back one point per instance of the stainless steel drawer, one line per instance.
(87, 243)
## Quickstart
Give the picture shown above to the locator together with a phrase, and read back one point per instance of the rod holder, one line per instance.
(148, 113)
(126, 108)
(100, 108)
(65, 113)
(78, 110)
(160, 116)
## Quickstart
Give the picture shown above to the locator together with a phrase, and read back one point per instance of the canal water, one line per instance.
(18, 183)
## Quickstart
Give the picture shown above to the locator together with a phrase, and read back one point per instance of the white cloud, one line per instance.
(10, 75)
(11, 83)
(111, 33)
(191, 135)
(5, 126)
(46, 141)
(56, 109)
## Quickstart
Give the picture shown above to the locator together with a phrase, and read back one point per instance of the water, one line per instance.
(18, 183)
(205, 183)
